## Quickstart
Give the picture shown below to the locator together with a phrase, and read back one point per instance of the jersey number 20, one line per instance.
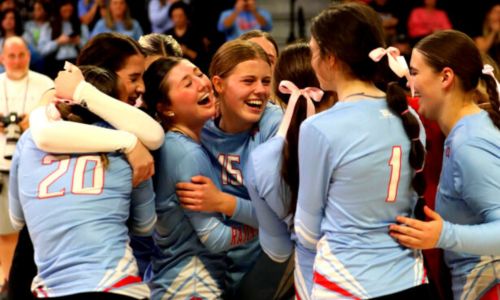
(78, 178)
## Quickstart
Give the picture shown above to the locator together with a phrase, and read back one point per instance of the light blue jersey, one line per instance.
(468, 199)
(191, 259)
(231, 152)
(268, 193)
(76, 211)
(270, 198)
(355, 178)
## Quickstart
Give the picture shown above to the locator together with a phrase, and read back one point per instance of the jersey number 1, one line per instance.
(78, 178)
(395, 164)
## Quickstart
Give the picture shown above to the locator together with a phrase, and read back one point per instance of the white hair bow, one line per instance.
(310, 94)
(489, 70)
(397, 63)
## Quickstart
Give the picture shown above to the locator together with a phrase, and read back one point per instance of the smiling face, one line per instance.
(131, 76)
(244, 94)
(191, 95)
(427, 82)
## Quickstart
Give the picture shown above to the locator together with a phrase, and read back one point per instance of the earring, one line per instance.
(170, 114)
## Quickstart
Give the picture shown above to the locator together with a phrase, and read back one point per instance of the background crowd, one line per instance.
(57, 29)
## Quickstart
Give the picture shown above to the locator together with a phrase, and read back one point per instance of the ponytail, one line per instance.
(300, 106)
(290, 158)
(494, 104)
(396, 100)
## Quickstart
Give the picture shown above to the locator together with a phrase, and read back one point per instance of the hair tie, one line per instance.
(404, 112)
(415, 139)
(397, 63)
(310, 93)
(419, 170)
(489, 70)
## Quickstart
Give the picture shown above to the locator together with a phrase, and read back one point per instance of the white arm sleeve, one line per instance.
(120, 115)
(71, 137)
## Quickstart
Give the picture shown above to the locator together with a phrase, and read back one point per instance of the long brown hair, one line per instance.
(357, 30)
(294, 64)
(57, 21)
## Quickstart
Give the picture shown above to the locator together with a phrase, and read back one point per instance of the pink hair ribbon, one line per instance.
(310, 94)
(397, 63)
(489, 70)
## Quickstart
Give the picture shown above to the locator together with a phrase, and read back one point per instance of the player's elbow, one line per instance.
(42, 139)
(155, 139)
(144, 229)
(214, 245)
(16, 223)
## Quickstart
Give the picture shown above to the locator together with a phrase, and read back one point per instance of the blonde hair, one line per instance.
(232, 53)
(160, 44)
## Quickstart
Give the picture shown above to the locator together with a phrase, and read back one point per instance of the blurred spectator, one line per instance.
(33, 29)
(23, 7)
(62, 40)
(427, 19)
(7, 4)
(10, 24)
(158, 15)
(118, 19)
(184, 33)
(244, 17)
(41, 18)
(489, 41)
(394, 14)
(90, 11)
(390, 21)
